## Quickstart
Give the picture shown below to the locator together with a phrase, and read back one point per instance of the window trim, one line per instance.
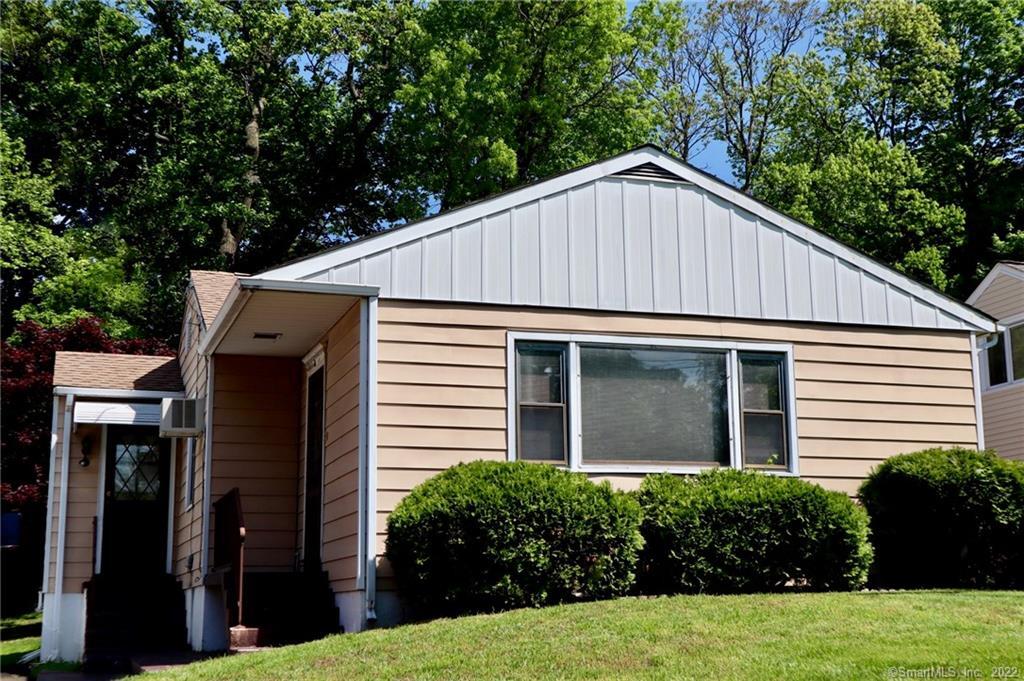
(1010, 382)
(574, 436)
(563, 406)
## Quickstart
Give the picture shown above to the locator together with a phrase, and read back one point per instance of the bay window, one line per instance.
(607, 403)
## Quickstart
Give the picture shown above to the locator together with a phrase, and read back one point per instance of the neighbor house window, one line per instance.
(763, 401)
(622, 404)
(1005, 357)
(541, 401)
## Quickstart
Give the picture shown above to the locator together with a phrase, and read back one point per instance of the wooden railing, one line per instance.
(229, 546)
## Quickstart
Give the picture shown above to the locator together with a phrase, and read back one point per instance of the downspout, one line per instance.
(45, 587)
(370, 482)
(62, 523)
(976, 349)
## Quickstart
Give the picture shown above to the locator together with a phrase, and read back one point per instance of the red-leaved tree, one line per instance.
(26, 398)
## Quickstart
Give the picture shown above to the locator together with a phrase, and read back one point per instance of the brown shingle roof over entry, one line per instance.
(117, 372)
(212, 290)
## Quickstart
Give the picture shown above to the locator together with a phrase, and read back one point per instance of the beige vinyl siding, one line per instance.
(863, 393)
(188, 520)
(1003, 298)
(83, 485)
(341, 452)
(255, 446)
(1003, 413)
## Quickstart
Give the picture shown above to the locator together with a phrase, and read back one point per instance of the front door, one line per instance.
(314, 469)
(135, 505)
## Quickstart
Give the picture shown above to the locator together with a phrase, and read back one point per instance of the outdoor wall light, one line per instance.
(86, 451)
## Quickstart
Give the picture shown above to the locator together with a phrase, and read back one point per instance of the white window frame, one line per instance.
(1008, 323)
(575, 436)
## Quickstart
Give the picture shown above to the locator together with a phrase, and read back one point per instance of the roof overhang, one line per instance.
(280, 318)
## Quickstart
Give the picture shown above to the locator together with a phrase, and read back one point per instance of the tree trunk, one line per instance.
(230, 238)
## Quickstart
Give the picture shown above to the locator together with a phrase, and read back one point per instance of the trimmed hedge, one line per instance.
(728, 531)
(947, 517)
(488, 536)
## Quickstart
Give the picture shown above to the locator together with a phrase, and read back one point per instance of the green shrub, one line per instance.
(952, 517)
(489, 536)
(728, 531)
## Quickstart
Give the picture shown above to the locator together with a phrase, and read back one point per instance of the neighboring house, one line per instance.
(630, 316)
(1001, 294)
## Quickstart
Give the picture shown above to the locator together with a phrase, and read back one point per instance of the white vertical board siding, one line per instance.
(611, 267)
(467, 252)
(746, 278)
(718, 251)
(497, 259)
(554, 251)
(638, 245)
(665, 246)
(582, 216)
(526, 254)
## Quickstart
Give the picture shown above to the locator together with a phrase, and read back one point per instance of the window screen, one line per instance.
(646, 405)
(541, 401)
(762, 400)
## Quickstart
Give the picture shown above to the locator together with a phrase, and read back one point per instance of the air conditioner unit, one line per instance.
(181, 417)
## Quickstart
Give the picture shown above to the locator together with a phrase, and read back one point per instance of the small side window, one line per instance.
(541, 405)
(763, 404)
(997, 361)
(1017, 351)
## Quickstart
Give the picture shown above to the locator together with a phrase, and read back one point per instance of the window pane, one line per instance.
(1017, 351)
(997, 363)
(764, 439)
(653, 405)
(540, 372)
(542, 433)
(762, 381)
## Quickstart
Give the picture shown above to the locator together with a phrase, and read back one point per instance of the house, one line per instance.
(1001, 295)
(629, 316)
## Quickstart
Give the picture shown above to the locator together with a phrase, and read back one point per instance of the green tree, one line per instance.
(503, 93)
(29, 250)
(869, 196)
(670, 69)
(750, 45)
(975, 151)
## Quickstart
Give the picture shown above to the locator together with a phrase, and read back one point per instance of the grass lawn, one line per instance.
(27, 619)
(12, 650)
(795, 636)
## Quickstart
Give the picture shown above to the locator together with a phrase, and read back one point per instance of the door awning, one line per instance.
(121, 413)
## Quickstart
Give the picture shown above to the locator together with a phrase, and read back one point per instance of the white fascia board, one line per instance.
(318, 264)
(293, 286)
(822, 241)
(117, 393)
(1000, 269)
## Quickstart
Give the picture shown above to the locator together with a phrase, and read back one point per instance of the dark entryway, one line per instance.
(135, 504)
(133, 604)
(314, 470)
